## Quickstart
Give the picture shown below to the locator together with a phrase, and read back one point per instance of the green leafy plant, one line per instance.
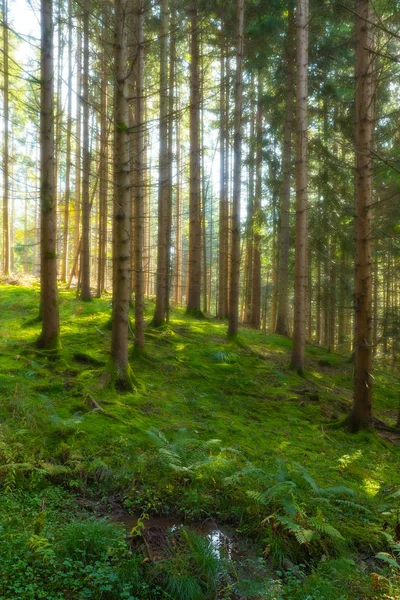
(302, 512)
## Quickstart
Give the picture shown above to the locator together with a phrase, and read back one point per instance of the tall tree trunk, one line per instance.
(103, 169)
(282, 319)
(163, 184)
(78, 153)
(194, 284)
(6, 183)
(361, 415)
(237, 145)
(223, 258)
(178, 222)
(256, 277)
(65, 248)
(300, 287)
(170, 155)
(85, 252)
(119, 371)
(139, 178)
(50, 334)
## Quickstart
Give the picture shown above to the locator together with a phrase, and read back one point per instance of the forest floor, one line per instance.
(217, 432)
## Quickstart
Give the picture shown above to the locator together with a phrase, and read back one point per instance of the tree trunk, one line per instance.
(256, 277)
(300, 286)
(194, 284)
(6, 183)
(163, 184)
(50, 334)
(85, 253)
(237, 145)
(119, 370)
(103, 191)
(139, 178)
(282, 319)
(65, 248)
(222, 311)
(361, 415)
(78, 177)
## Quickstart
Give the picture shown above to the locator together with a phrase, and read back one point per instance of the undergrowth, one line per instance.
(215, 429)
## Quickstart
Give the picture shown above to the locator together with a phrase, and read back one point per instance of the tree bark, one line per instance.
(119, 371)
(163, 183)
(65, 248)
(235, 249)
(85, 253)
(361, 415)
(103, 169)
(50, 334)
(223, 251)
(139, 178)
(300, 287)
(194, 283)
(256, 276)
(6, 183)
(282, 319)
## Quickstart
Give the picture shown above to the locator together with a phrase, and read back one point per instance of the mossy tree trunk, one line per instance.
(50, 334)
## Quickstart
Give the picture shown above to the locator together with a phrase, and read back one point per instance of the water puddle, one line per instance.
(155, 531)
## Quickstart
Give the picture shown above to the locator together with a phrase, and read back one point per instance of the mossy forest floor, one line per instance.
(216, 430)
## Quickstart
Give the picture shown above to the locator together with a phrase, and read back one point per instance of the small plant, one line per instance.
(192, 569)
(301, 513)
(391, 559)
(90, 540)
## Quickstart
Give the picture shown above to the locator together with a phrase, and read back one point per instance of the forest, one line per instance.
(199, 299)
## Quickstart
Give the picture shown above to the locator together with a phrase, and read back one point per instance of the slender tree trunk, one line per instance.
(85, 253)
(178, 223)
(194, 283)
(361, 415)
(223, 252)
(65, 248)
(78, 178)
(170, 154)
(50, 334)
(249, 238)
(139, 178)
(300, 287)
(235, 250)
(120, 373)
(256, 277)
(6, 183)
(163, 183)
(103, 189)
(282, 319)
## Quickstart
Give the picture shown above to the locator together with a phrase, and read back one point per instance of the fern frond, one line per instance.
(157, 437)
(339, 489)
(325, 528)
(390, 560)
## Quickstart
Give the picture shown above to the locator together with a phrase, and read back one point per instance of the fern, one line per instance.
(322, 527)
(221, 356)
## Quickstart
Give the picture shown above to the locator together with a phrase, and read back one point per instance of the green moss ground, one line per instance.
(194, 380)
